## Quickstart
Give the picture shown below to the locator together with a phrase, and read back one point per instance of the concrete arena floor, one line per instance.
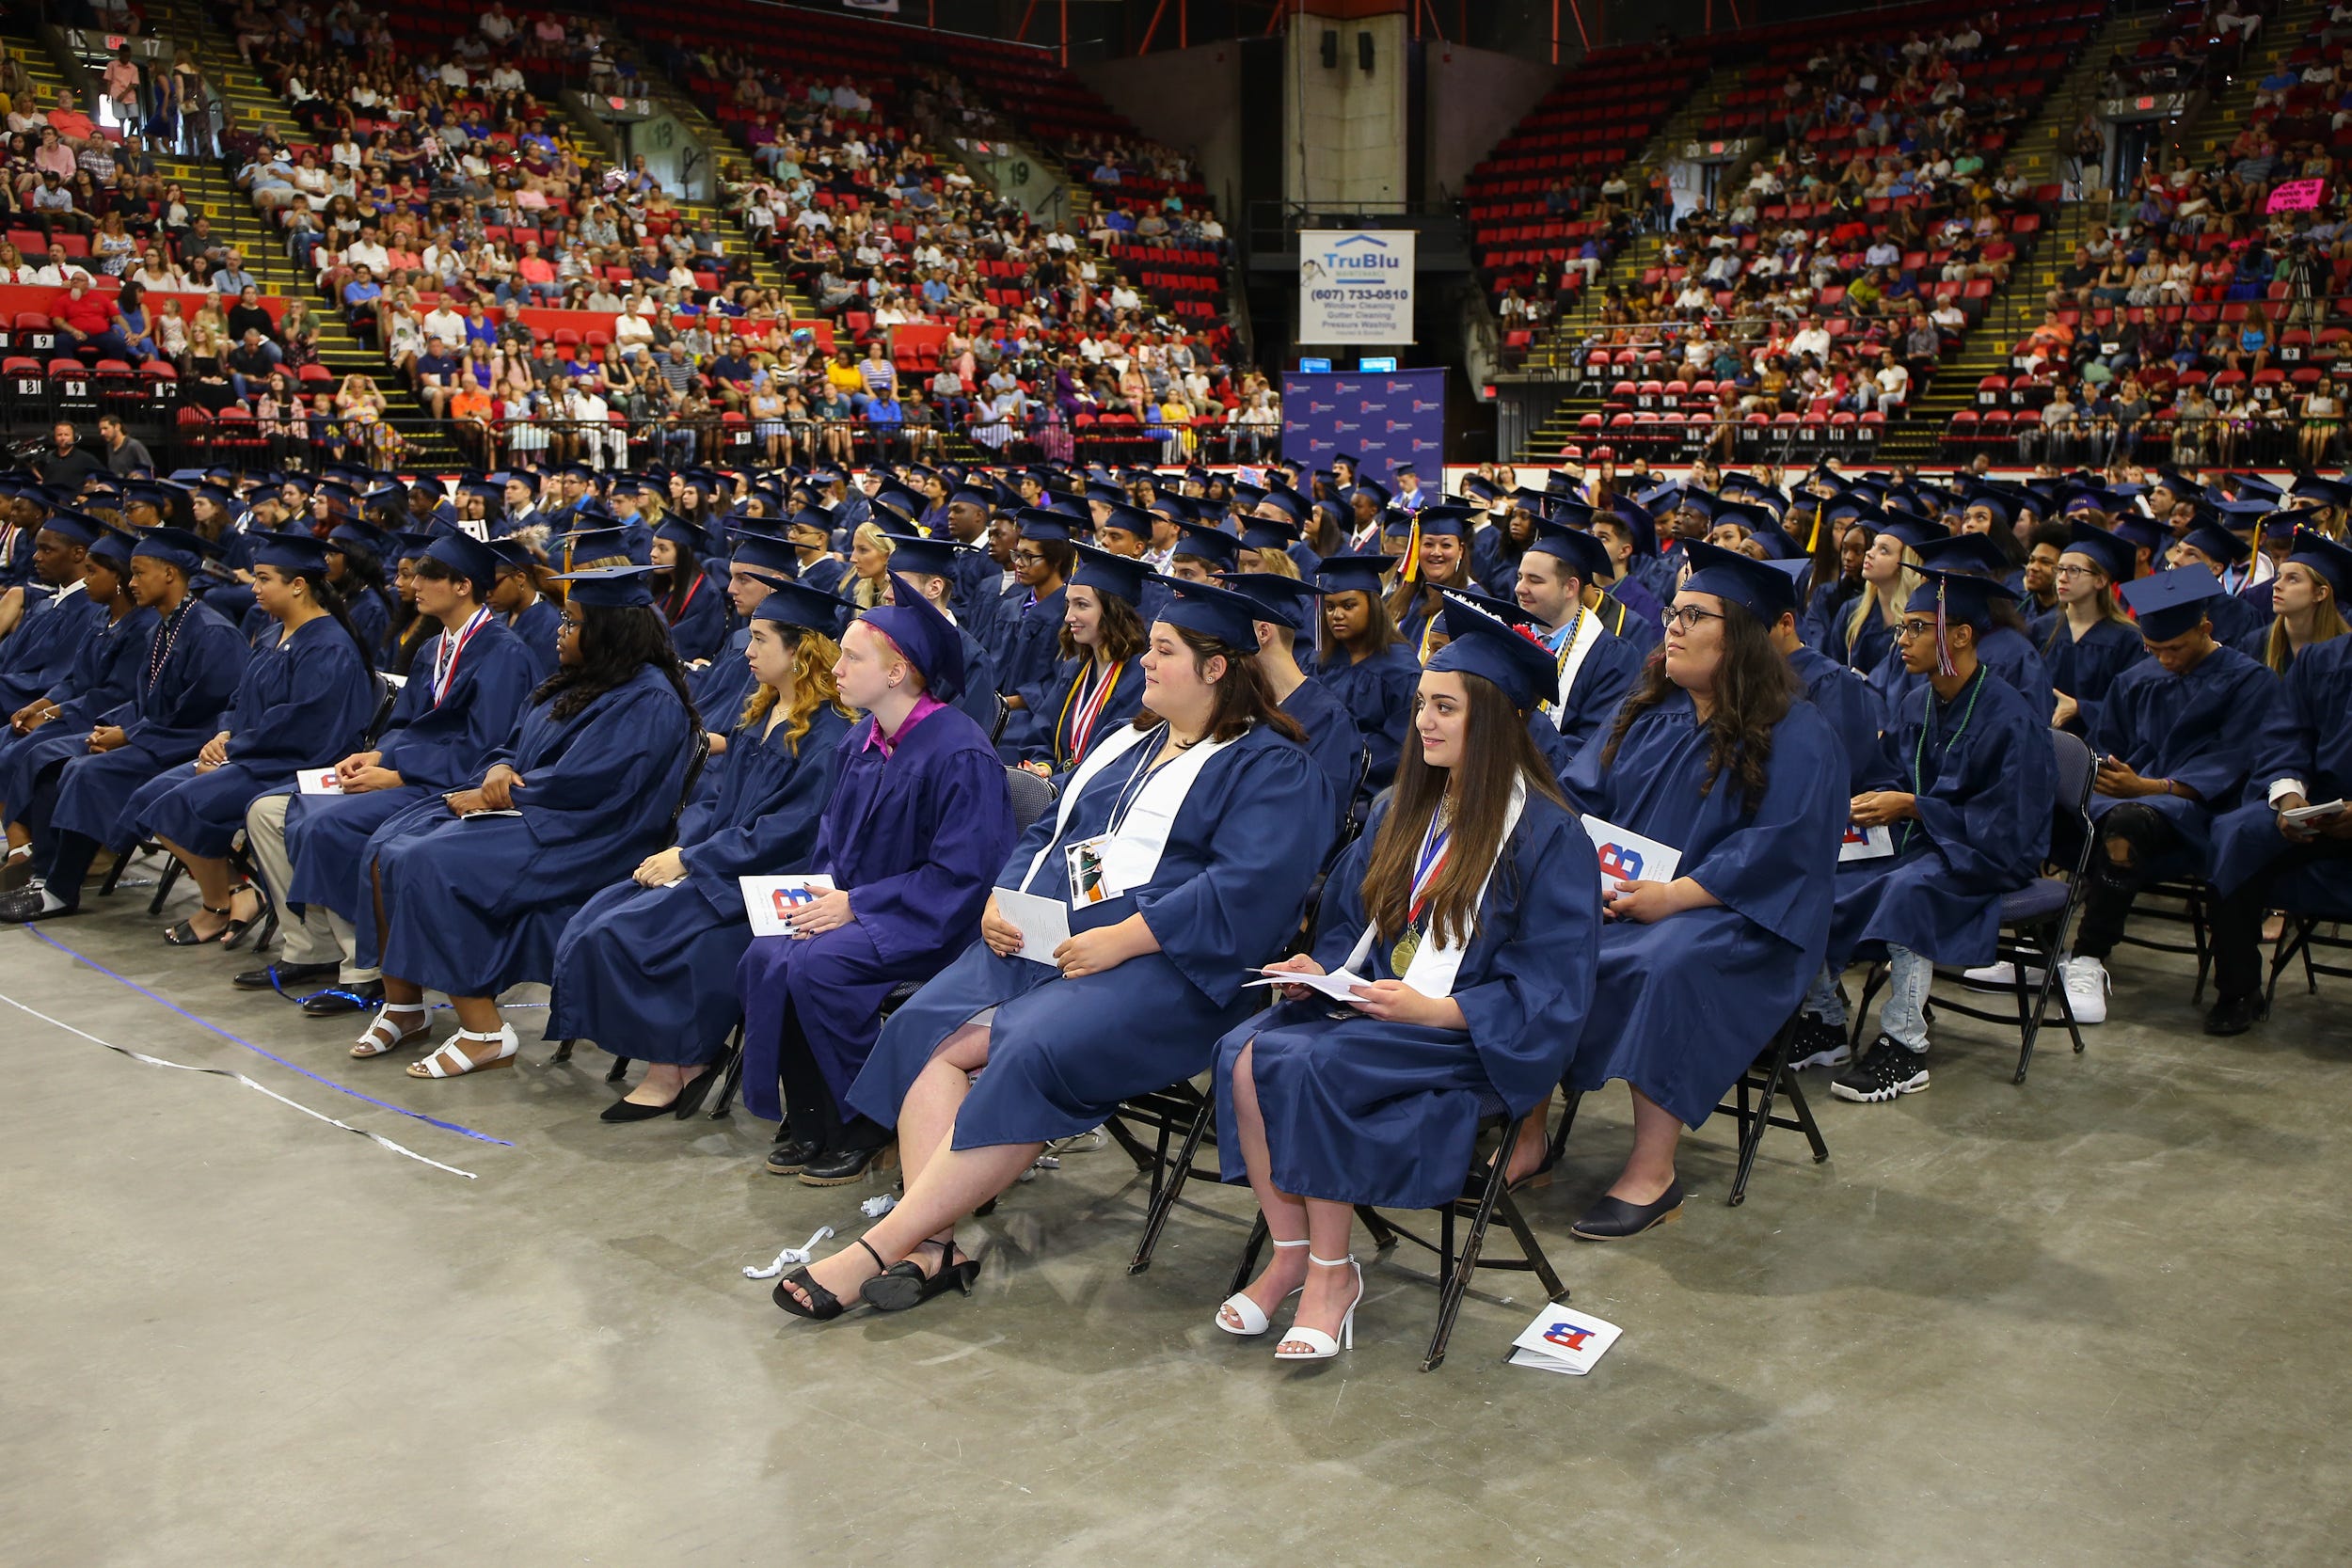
(2097, 1320)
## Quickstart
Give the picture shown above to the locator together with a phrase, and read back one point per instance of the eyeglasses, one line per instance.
(1027, 557)
(1906, 630)
(2066, 569)
(1683, 617)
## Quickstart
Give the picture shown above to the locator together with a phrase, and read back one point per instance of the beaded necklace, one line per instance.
(159, 651)
(1919, 748)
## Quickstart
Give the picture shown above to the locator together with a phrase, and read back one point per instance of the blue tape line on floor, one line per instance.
(126, 982)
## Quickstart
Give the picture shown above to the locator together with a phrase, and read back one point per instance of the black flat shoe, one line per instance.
(2234, 1015)
(1613, 1219)
(29, 904)
(838, 1168)
(822, 1304)
(335, 1001)
(284, 976)
(791, 1157)
(184, 934)
(681, 1103)
(904, 1284)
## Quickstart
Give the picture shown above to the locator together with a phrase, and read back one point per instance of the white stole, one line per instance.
(1434, 963)
(1588, 631)
(1133, 853)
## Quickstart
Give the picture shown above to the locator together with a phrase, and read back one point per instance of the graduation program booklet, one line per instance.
(769, 901)
(1339, 987)
(2313, 814)
(1043, 923)
(1865, 844)
(1563, 1340)
(320, 781)
(1628, 857)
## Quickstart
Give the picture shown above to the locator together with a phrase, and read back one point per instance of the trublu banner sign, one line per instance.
(1384, 419)
(1354, 285)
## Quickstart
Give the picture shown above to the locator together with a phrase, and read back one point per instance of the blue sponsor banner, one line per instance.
(1385, 417)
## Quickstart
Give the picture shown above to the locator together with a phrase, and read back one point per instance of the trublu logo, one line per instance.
(1362, 254)
(1621, 863)
(1567, 1336)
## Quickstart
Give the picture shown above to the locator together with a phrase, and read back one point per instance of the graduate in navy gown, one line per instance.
(53, 728)
(190, 668)
(54, 625)
(2175, 739)
(1844, 696)
(918, 824)
(1029, 638)
(2236, 622)
(1479, 977)
(1594, 668)
(1097, 685)
(647, 968)
(305, 700)
(2088, 641)
(1438, 563)
(1968, 818)
(466, 689)
(931, 567)
(2005, 649)
(1363, 661)
(721, 684)
(535, 619)
(461, 899)
(1497, 544)
(1289, 609)
(2302, 757)
(690, 602)
(1182, 852)
(1703, 970)
(355, 553)
(1860, 635)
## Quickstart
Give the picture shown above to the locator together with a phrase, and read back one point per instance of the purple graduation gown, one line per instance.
(649, 972)
(1242, 852)
(1688, 1001)
(2198, 730)
(2306, 737)
(103, 675)
(182, 684)
(434, 748)
(1985, 774)
(914, 837)
(1359, 1111)
(475, 904)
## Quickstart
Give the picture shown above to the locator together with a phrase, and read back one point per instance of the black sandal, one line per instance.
(822, 1304)
(184, 934)
(905, 1284)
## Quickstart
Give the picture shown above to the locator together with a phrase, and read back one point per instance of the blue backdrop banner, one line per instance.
(1385, 417)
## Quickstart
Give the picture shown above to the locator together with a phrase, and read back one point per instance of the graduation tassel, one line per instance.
(1943, 665)
(1410, 570)
(1813, 542)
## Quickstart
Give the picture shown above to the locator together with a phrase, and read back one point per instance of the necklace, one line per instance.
(1436, 846)
(1919, 748)
(159, 651)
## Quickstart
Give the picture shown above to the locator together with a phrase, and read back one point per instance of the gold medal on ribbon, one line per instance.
(1401, 955)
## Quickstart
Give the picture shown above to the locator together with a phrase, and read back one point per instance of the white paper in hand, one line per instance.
(1865, 844)
(2313, 814)
(1628, 857)
(769, 901)
(1043, 923)
(320, 781)
(1339, 987)
(1564, 1341)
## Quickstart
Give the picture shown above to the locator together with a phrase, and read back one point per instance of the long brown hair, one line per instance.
(1118, 638)
(1242, 697)
(814, 655)
(2327, 626)
(1754, 691)
(1496, 751)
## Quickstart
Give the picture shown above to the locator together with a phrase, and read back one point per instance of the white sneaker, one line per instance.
(1999, 977)
(2087, 986)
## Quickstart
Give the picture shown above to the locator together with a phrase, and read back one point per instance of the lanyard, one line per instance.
(1919, 748)
(1081, 729)
(1132, 791)
(445, 660)
(1437, 847)
(692, 589)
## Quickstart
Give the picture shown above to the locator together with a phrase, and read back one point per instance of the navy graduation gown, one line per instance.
(182, 684)
(2198, 729)
(699, 630)
(1691, 998)
(1359, 1111)
(2306, 737)
(1243, 848)
(1025, 660)
(1333, 742)
(972, 585)
(1984, 774)
(40, 651)
(1378, 694)
(1055, 740)
(372, 618)
(1493, 563)
(1860, 647)
(649, 972)
(721, 687)
(2238, 623)
(979, 698)
(1629, 611)
(1852, 707)
(2084, 668)
(474, 905)
(915, 837)
(104, 675)
(1611, 667)
(824, 574)
(1825, 607)
(538, 626)
(305, 701)
(434, 748)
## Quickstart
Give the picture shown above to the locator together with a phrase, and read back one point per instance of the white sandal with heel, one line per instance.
(1322, 1346)
(451, 1060)
(384, 1036)
(1253, 1318)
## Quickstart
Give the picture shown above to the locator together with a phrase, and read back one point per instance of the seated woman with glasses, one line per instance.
(2088, 641)
(1180, 854)
(1473, 910)
(467, 894)
(1717, 758)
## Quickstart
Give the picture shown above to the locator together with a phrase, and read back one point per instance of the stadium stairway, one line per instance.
(2226, 112)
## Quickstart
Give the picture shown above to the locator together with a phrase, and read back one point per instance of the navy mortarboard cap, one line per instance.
(393, 493)
(1958, 598)
(610, 587)
(1585, 556)
(2255, 487)
(1999, 502)
(1534, 503)
(1692, 498)
(1127, 519)
(916, 555)
(793, 603)
(1286, 601)
(415, 542)
(808, 517)
(1964, 552)
(2323, 492)
(628, 540)
(175, 546)
(2114, 556)
(2218, 544)
(523, 477)
(1378, 492)
(923, 635)
(1480, 490)
(1912, 530)
(1175, 508)
(2238, 513)
(1746, 514)
(1220, 550)
(2170, 604)
(1043, 527)
(1775, 542)
(351, 533)
(971, 494)
(1108, 494)
(83, 529)
(510, 551)
(1502, 609)
(2314, 549)
(468, 556)
(291, 552)
(1292, 504)
(1218, 612)
(757, 550)
(1446, 522)
(1346, 457)
(2181, 485)
(219, 494)
(489, 492)
(1481, 643)
(1122, 577)
(1268, 533)
(2085, 498)
(1635, 520)
(1359, 573)
(680, 532)
(1245, 493)
(1758, 587)
(2144, 533)
(113, 546)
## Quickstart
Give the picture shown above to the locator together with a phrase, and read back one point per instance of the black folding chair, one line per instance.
(2034, 922)
(2194, 896)
(2298, 937)
(1164, 1116)
(1459, 1252)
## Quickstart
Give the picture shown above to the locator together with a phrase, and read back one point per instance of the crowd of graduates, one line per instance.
(1231, 730)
